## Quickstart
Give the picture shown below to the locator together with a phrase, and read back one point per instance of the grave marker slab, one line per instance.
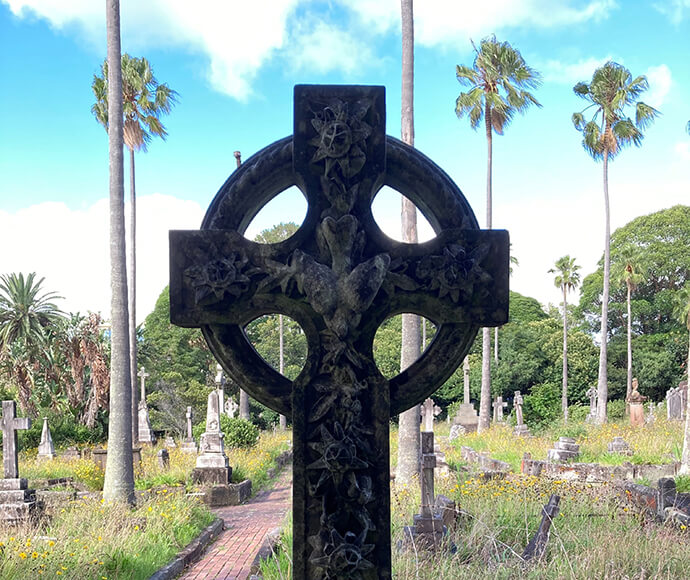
(46, 449)
(339, 277)
(189, 445)
(520, 428)
(146, 434)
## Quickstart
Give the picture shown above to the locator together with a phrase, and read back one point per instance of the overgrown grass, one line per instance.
(88, 539)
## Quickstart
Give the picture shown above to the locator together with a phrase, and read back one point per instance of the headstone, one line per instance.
(466, 381)
(520, 429)
(99, 456)
(636, 402)
(429, 411)
(189, 445)
(46, 449)
(212, 465)
(499, 405)
(651, 415)
(339, 277)
(620, 446)
(674, 404)
(466, 417)
(428, 529)
(456, 431)
(220, 386)
(170, 442)
(683, 388)
(71, 453)
(564, 449)
(163, 459)
(537, 545)
(146, 434)
(592, 394)
(231, 408)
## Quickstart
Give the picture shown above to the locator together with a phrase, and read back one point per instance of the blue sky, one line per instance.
(234, 65)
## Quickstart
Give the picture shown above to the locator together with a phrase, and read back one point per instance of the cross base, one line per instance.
(427, 533)
(211, 475)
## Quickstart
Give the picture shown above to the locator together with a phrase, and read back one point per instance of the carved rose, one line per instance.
(215, 279)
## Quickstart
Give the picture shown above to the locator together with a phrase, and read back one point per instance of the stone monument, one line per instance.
(683, 388)
(636, 402)
(231, 407)
(592, 394)
(189, 445)
(339, 277)
(619, 446)
(563, 450)
(17, 502)
(146, 434)
(429, 411)
(674, 404)
(520, 428)
(465, 417)
(499, 405)
(46, 449)
(212, 465)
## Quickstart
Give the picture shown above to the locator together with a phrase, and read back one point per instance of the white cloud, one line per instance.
(660, 82)
(72, 250)
(570, 74)
(673, 9)
(322, 47)
(682, 149)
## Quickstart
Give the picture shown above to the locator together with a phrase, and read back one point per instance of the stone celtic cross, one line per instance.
(10, 424)
(339, 276)
(143, 375)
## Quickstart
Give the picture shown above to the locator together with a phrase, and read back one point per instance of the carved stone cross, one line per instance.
(10, 424)
(499, 404)
(339, 276)
(429, 411)
(143, 375)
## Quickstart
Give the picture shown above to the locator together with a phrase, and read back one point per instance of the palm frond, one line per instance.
(581, 89)
(645, 115)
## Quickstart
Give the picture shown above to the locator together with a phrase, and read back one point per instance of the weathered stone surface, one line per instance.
(46, 449)
(456, 431)
(467, 417)
(674, 404)
(230, 494)
(212, 475)
(620, 446)
(212, 451)
(145, 433)
(10, 423)
(339, 277)
(71, 453)
(565, 449)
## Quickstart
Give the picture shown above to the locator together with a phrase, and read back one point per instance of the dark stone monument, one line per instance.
(339, 277)
(537, 545)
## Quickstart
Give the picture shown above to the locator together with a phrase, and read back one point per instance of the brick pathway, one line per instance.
(230, 557)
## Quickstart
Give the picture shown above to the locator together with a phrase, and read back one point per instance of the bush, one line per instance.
(615, 409)
(543, 405)
(238, 432)
(64, 430)
(578, 413)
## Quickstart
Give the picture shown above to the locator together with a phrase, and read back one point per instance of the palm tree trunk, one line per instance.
(244, 405)
(564, 394)
(119, 473)
(281, 364)
(628, 388)
(602, 384)
(496, 345)
(132, 297)
(485, 397)
(409, 444)
(685, 456)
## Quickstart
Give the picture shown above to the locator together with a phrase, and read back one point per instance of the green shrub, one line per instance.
(578, 413)
(615, 409)
(683, 483)
(543, 405)
(238, 432)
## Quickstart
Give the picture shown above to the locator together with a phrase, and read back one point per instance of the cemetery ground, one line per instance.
(597, 533)
(82, 537)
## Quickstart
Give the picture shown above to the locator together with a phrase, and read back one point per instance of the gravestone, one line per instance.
(46, 449)
(17, 502)
(212, 467)
(520, 429)
(163, 459)
(466, 417)
(456, 431)
(71, 453)
(189, 445)
(620, 446)
(339, 277)
(170, 442)
(564, 449)
(592, 415)
(651, 416)
(428, 529)
(636, 402)
(683, 388)
(429, 411)
(220, 386)
(674, 404)
(499, 405)
(537, 545)
(146, 434)
(231, 408)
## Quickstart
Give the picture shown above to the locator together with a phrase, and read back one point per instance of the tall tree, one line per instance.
(611, 90)
(144, 101)
(26, 316)
(567, 278)
(119, 470)
(498, 83)
(682, 312)
(627, 269)
(409, 443)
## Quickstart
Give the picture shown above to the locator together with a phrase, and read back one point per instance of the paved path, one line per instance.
(230, 557)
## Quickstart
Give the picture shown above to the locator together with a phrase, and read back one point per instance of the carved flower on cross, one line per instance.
(341, 556)
(338, 455)
(340, 131)
(455, 272)
(215, 279)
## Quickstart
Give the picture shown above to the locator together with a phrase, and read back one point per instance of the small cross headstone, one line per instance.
(231, 408)
(339, 277)
(466, 381)
(10, 424)
(499, 405)
(46, 449)
(537, 545)
(143, 375)
(429, 411)
(592, 394)
(189, 445)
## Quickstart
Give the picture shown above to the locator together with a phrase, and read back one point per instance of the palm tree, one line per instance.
(682, 312)
(566, 279)
(27, 314)
(498, 81)
(119, 471)
(610, 91)
(628, 270)
(144, 101)
(409, 443)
